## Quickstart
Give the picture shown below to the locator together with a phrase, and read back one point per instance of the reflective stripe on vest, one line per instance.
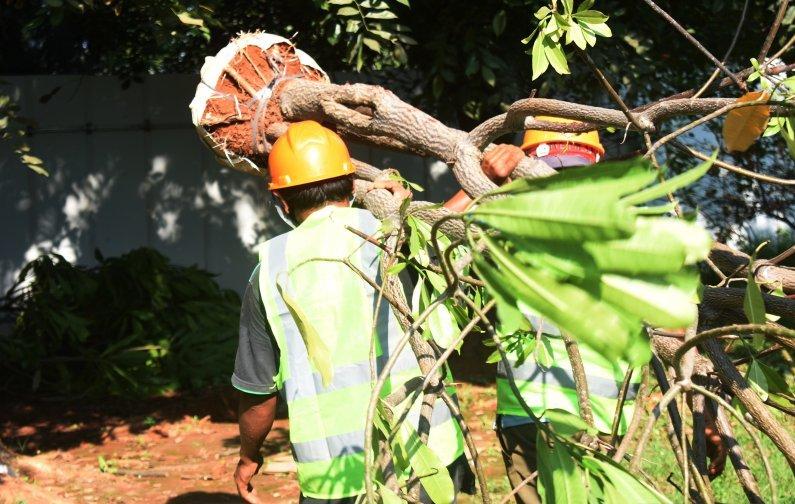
(554, 387)
(327, 423)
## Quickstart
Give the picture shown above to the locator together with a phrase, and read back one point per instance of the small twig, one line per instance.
(637, 416)
(728, 51)
(690, 38)
(732, 168)
(518, 487)
(771, 35)
(580, 380)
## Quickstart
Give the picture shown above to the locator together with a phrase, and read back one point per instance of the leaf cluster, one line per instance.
(133, 325)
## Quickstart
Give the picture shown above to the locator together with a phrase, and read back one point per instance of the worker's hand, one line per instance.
(716, 450)
(501, 161)
(246, 469)
(393, 186)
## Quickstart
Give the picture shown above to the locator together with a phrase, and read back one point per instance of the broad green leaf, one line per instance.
(613, 178)
(319, 354)
(590, 16)
(543, 352)
(426, 464)
(348, 11)
(538, 56)
(601, 29)
(542, 13)
(384, 14)
(499, 22)
(776, 383)
(588, 34)
(629, 488)
(396, 268)
(566, 423)
(388, 496)
(757, 379)
(572, 309)
(372, 44)
(561, 480)
(556, 56)
(585, 5)
(488, 75)
(404, 2)
(440, 323)
(574, 34)
(187, 19)
(340, 2)
(658, 304)
(670, 185)
(574, 215)
(753, 303)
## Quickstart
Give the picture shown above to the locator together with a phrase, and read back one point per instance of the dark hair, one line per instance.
(317, 194)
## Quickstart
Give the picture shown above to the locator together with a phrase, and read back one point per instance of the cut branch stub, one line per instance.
(236, 108)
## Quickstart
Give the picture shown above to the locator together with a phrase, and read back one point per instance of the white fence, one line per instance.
(127, 170)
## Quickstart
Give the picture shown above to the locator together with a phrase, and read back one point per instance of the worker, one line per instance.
(553, 387)
(311, 178)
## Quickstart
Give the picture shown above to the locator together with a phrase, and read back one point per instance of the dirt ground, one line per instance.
(180, 449)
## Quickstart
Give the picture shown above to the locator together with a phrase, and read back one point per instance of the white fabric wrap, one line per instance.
(211, 72)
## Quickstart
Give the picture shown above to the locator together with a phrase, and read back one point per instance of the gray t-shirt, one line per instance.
(257, 359)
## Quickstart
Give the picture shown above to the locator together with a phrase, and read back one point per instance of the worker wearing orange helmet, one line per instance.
(307, 323)
(544, 388)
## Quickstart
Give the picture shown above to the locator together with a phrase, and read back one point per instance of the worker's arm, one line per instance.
(256, 368)
(255, 419)
(497, 165)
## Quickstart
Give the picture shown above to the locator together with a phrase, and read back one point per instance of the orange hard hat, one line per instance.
(307, 153)
(533, 138)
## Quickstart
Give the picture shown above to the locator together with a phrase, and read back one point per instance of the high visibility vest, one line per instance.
(327, 423)
(553, 387)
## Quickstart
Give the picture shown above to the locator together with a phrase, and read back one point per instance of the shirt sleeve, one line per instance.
(257, 359)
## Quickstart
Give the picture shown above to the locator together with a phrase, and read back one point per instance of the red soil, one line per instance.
(229, 118)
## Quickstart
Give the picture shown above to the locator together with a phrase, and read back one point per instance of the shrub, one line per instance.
(133, 325)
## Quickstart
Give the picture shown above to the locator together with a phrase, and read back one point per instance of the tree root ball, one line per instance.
(237, 99)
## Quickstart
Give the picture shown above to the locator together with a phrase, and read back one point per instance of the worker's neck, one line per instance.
(302, 216)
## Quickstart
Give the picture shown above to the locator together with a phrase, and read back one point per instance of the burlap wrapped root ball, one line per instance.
(236, 101)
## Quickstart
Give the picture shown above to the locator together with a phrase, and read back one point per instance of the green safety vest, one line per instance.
(553, 387)
(327, 423)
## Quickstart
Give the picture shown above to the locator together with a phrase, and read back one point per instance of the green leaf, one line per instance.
(776, 383)
(627, 486)
(384, 14)
(588, 34)
(590, 16)
(556, 56)
(499, 22)
(753, 303)
(614, 178)
(340, 2)
(670, 185)
(574, 34)
(585, 5)
(494, 357)
(560, 479)
(543, 352)
(575, 215)
(348, 11)
(539, 58)
(566, 423)
(757, 379)
(187, 19)
(601, 29)
(404, 2)
(472, 66)
(319, 354)
(426, 465)
(659, 304)
(542, 13)
(388, 496)
(488, 75)
(396, 268)
(372, 44)
(567, 306)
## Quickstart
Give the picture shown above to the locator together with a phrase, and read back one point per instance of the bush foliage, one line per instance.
(133, 325)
